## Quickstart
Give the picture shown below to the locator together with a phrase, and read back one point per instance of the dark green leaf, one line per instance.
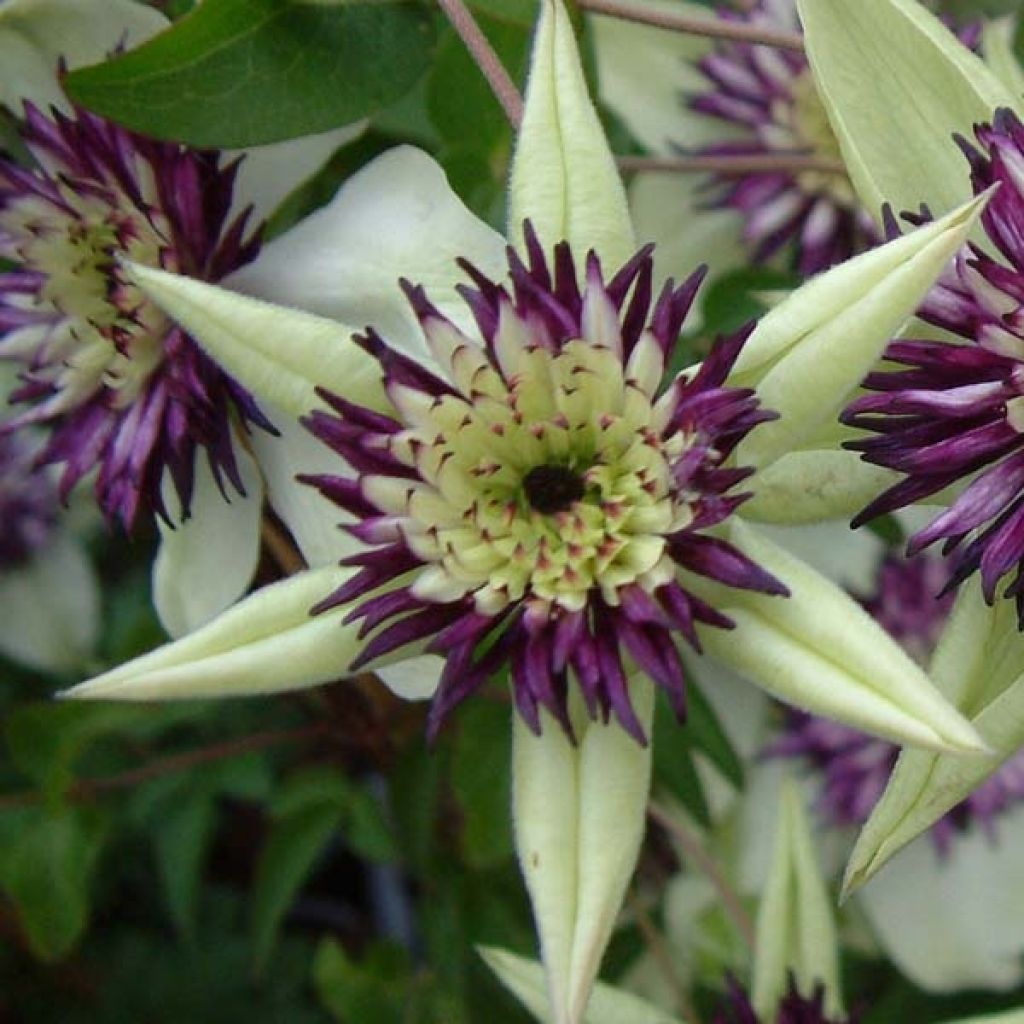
(45, 739)
(374, 990)
(237, 73)
(889, 529)
(480, 777)
(733, 299)
(367, 832)
(46, 864)
(673, 764)
(708, 736)
(181, 838)
(307, 814)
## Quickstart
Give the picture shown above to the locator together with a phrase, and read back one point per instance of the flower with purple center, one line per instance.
(123, 389)
(794, 1008)
(767, 98)
(855, 768)
(546, 488)
(955, 413)
(28, 504)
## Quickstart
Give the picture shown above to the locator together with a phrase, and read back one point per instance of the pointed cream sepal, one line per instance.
(819, 650)
(564, 178)
(809, 353)
(580, 813)
(795, 929)
(897, 85)
(279, 354)
(978, 666)
(267, 643)
(1007, 1017)
(525, 980)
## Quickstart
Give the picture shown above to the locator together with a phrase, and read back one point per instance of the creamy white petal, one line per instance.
(314, 522)
(268, 174)
(51, 608)
(206, 562)
(281, 355)
(35, 34)
(397, 217)
(667, 211)
(971, 937)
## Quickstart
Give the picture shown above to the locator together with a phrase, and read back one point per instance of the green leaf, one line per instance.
(374, 990)
(46, 864)
(480, 778)
(367, 831)
(674, 766)
(237, 73)
(307, 814)
(181, 839)
(44, 740)
(708, 736)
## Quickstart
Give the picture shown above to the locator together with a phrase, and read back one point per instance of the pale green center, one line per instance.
(809, 125)
(108, 334)
(542, 488)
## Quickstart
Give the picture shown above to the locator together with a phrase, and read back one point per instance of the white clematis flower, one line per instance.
(121, 388)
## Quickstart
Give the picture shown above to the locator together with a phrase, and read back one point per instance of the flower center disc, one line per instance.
(550, 489)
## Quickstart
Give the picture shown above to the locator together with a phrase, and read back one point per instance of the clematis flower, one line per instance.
(626, 480)
(124, 392)
(952, 415)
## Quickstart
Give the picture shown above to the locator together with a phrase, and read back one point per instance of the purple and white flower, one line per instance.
(953, 415)
(126, 396)
(767, 99)
(546, 489)
(794, 1008)
(122, 388)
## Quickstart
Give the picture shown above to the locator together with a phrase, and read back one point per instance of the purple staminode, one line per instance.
(955, 414)
(769, 108)
(540, 498)
(794, 1008)
(122, 389)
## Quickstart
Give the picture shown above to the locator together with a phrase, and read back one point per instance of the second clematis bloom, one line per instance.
(125, 396)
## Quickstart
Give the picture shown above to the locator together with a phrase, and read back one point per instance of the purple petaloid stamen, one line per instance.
(954, 414)
(124, 392)
(794, 1007)
(508, 526)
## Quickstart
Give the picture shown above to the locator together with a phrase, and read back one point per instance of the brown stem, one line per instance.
(714, 164)
(713, 28)
(281, 548)
(90, 789)
(662, 956)
(504, 89)
(731, 902)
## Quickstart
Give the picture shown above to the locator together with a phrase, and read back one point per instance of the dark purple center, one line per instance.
(551, 489)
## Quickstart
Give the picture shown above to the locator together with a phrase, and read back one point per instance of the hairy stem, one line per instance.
(713, 28)
(710, 163)
(731, 902)
(504, 89)
(89, 789)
